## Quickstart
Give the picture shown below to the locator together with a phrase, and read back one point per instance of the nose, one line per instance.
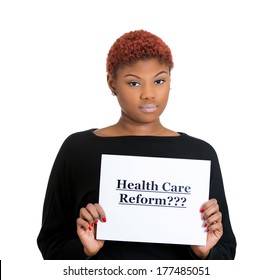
(148, 93)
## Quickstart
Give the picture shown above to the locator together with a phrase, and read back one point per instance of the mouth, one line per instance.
(149, 108)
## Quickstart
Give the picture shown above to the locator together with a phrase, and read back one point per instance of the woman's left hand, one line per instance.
(212, 220)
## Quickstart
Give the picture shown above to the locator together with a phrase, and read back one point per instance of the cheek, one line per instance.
(126, 102)
(164, 95)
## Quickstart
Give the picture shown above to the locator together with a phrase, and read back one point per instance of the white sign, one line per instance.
(152, 199)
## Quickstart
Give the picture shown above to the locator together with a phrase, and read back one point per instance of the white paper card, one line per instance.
(152, 199)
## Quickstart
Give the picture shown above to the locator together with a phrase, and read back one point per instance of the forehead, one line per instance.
(143, 67)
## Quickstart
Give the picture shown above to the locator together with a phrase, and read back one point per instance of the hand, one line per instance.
(212, 220)
(86, 228)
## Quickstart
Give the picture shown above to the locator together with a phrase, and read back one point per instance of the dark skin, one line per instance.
(142, 91)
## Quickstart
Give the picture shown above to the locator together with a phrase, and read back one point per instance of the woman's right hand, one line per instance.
(86, 228)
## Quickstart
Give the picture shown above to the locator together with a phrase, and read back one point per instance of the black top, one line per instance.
(74, 182)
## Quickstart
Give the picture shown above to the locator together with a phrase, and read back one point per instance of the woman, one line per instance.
(139, 68)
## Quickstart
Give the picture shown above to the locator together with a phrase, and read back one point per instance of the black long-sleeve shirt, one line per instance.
(74, 182)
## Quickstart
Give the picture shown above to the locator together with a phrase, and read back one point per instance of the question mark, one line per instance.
(177, 200)
(170, 198)
(183, 200)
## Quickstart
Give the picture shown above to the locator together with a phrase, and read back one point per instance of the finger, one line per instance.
(93, 211)
(101, 212)
(208, 203)
(86, 215)
(215, 218)
(216, 226)
(209, 208)
(82, 226)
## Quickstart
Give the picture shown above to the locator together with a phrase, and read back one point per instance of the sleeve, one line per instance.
(57, 238)
(226, 247)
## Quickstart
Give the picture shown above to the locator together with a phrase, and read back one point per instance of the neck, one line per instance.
(127, 127)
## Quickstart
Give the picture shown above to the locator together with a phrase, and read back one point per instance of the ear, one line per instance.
(111, 84)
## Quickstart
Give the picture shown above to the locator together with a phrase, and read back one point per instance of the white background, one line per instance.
(53, 83)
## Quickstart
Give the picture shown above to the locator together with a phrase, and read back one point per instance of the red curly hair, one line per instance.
(134, 46)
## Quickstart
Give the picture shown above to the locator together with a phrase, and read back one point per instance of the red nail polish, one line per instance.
(89, 228)
(202, 210)
(205, 225)
(104, 220)
(96, 222)
(203, 218)
(92, 224)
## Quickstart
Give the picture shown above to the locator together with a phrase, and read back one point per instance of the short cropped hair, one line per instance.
(134, 46)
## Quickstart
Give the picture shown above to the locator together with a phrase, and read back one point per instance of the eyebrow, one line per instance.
(162, 72)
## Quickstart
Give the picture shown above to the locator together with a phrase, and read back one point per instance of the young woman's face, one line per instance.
(142, 90)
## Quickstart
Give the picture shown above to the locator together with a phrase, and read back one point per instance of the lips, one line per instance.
(149, 108)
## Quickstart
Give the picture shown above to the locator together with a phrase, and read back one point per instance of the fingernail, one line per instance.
(203, 218)
(202, 210)
(205, 225)
(96, 221)
(92, 224)
(104, 219)
(89, 228)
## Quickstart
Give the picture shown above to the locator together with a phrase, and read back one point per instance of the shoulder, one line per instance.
(80, 135)
(198, 145)
(77, 140)
(197, 141)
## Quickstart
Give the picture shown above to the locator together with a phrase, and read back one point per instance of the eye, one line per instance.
(159, 82)
(134, 84)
